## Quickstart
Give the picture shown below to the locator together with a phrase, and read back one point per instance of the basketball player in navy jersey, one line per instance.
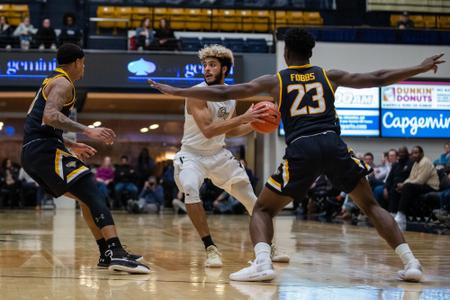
(47, 159)
(305, 95)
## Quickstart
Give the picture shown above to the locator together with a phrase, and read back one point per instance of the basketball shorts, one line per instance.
(52, 166)
(222, 168)
(310, 156)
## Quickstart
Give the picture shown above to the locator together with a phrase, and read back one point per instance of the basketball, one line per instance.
(271, 122)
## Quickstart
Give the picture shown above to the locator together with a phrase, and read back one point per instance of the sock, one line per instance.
(207, 241)
(262, 252)
(102, 246)
(405, 253)
(114, 243)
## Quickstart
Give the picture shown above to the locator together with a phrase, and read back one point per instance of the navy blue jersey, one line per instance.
(34, 126)
(306, 102)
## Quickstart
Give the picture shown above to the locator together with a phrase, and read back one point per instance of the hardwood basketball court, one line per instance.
(51, 255)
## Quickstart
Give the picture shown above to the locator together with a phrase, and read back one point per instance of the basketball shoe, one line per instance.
(120, 260)
(412, 272)
(257, 271)
(278, 256)
(104, 261)
(213, 257)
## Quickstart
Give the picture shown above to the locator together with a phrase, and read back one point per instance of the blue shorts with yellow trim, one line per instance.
(52, 166)
(311, 156)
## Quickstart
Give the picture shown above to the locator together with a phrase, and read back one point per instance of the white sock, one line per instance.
(405, 253)
(262, 252)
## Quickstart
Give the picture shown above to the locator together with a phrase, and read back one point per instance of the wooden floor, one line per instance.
(50, 255)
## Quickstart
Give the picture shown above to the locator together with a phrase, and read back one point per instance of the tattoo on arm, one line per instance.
(59, 91)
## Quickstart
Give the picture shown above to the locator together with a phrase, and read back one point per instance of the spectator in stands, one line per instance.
(165, 38)
(30, 187)
(46, 37)
(381, 174)
(145, 167)
(144, 35)
(405, 22)
(5, 33)
(178, 203)
(253, 179)
(10, 182)
(25, 32)
(444, 159)
(70, 33)
(227, 204)
(444, 196)
(168, 183)
(125, 178)
(104, 177)
(151, 198)
(399, 173)
(422, 179)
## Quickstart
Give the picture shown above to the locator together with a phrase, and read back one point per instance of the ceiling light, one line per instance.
(91, 126)
(144, 130)
(97, 123)
(154, 126)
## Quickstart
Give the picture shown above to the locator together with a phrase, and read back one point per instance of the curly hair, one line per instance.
(300, 42)
(223, 54)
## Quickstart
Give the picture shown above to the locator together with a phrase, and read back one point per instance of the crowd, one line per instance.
(26, 36)
(160, 39)
(406, 183)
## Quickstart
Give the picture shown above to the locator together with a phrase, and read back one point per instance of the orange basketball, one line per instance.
(271, 122)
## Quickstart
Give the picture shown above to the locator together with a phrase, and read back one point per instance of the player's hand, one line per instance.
(254, 115)
(431, 63)
(163, 88)
(82, 151)
(101, 134)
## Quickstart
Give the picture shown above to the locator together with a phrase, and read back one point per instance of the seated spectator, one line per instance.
(168, 183)
(399, 173)
(444, 195)
(29, 187)
(104, 177)
(405, 22)
(151, 198)
(381, 174)
(145, 167)
(444, 159)
(253, 179)
(165, 38)
(45, 37)
(178, 203)
(70, 33)
(5, 33)
(25, 32)
(227, 204)
(144, 35)
(10, 182)
(422, 179)
(368, 159)
(125, 178)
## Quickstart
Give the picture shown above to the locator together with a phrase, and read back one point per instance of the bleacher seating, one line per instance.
(424, 21)
(14, 12)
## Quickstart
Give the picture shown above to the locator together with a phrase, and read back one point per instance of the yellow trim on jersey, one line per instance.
(328, 80)
(300, 67)
(285, 173)
(281, 90)
(58, 162)
(274, 184)
(72, 175)
(62, 74)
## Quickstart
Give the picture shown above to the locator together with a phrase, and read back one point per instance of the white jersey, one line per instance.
(193, 138)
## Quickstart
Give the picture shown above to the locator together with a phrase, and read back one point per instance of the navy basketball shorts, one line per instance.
(52, 166)
(308, 157)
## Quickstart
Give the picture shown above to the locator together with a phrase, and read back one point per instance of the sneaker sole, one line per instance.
(138, 269)
(412, 276)
(266, 275)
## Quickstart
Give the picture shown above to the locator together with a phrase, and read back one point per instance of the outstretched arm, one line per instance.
(263, 84)
(382, 77)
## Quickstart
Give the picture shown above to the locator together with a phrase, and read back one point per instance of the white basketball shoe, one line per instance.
(278, 256)
(412, 272)
(262, 271)
(213, 257)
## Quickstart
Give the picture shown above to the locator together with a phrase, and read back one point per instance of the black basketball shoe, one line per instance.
(104, 261)
(120, 260)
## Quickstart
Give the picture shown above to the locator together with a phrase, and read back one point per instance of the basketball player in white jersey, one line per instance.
(203, 155)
